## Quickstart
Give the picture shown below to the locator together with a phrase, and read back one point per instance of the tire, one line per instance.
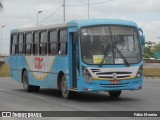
(26, 86)
(64, 89)
(114, 94)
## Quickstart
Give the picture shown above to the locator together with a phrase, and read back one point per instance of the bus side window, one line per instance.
(35, 43)
(43, 43)
(53, 43)
(12, 50)
(20, 47)
(63, 42)
(28, 43)
(14, 47)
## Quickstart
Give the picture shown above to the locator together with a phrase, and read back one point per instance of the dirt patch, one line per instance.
(4, 70)
(152, 72)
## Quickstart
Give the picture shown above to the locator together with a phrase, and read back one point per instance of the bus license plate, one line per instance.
(115, 81)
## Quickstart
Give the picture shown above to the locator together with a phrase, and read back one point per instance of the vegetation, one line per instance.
(152, 72)
(150, 49)
(4, 71)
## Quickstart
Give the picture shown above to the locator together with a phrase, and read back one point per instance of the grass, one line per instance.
(4, 70)
(152, 72)
(148, 72)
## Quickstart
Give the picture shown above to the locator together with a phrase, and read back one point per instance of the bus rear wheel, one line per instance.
(26, 86)
(64, 89)
(114, 94)
(25, 81)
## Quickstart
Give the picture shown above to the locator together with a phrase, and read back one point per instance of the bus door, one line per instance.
(73, 59)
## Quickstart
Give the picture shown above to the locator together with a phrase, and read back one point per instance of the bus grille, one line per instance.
(110, 74)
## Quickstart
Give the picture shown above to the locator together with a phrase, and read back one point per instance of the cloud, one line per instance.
(151, 30)
(23, 13)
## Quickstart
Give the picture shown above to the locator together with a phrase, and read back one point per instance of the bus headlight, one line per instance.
(87, 74)
(140, 71)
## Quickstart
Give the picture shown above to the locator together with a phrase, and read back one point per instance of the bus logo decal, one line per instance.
(114, 75)
(38, 63)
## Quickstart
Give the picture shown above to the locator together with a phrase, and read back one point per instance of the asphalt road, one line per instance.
(14, 98)
(151, 65)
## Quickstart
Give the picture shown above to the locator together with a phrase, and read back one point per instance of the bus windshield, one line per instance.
(110, 45)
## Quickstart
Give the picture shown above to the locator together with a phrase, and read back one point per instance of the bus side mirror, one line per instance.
(142, 37)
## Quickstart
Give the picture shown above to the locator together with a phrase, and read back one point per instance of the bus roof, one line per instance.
(94, 22)
(36, 28)
(79, 24)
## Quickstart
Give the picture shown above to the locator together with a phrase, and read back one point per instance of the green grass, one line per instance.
(4, 70)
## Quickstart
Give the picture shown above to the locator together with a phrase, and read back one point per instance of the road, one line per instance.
(14, 98)
(151, 65)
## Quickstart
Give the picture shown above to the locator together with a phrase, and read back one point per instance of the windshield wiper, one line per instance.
(105, 54)
(125, 60)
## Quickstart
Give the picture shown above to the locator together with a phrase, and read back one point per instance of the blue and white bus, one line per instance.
(79, 56)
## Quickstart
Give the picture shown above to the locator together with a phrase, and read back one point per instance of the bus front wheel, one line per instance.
(114, 94)
(64, 89)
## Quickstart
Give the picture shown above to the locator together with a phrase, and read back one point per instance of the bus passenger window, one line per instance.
(13, 49)
(28, 49)
(53, 43)
(14, 42)
(43, 43)
(35, 43)
(63, 42)
(28, 43)
(20, 47)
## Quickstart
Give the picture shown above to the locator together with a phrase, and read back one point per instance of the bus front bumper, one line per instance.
(106, 85)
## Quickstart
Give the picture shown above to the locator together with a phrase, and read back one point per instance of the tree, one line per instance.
(150, 43)
(1, 5)
(148, 50)
(156, 47)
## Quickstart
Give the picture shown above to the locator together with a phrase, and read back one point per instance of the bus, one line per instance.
(79, 56)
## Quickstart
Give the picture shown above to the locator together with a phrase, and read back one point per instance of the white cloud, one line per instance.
(151, 30)
(22, 13)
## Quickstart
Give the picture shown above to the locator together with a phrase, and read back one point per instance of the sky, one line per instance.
(23, 13)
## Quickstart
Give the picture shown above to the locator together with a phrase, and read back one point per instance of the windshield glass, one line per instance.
(110, 45)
